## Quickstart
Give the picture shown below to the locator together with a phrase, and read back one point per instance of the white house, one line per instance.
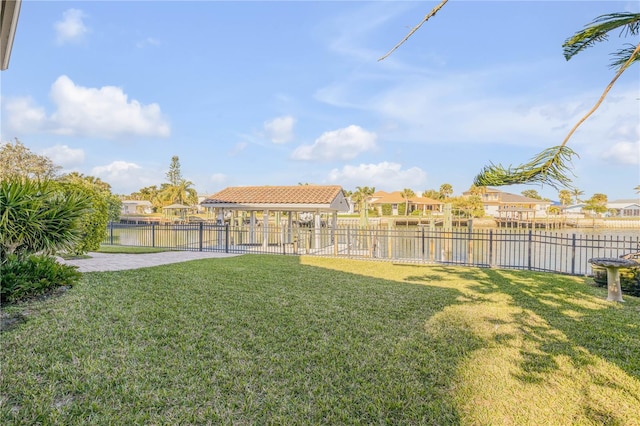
(573, 211)
(511, 206)
(624, 208)
(136, 207)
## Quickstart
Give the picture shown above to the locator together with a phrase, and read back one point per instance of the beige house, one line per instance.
(504, 205)
(395, 199)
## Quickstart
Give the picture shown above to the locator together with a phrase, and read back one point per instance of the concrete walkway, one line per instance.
(119, 261)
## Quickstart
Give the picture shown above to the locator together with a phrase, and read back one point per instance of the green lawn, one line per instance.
(261, 339)
(105, 248)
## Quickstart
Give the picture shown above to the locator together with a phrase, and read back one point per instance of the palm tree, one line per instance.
(360, 197)
(637, 189)
(565, 196)
(552, 166)
(407, 194)
(180, 193)
(446, 190)
(178, 190)
(576, 193)
(598, 30)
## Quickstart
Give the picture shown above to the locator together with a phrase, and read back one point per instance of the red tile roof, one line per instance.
(397, 198)
(300, 194)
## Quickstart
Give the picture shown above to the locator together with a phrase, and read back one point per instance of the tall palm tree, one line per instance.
(637, 189)
(361, 197)
(552, 166)
(576, 193)
(446, 190)
(407, 194)
(179, 193)
(565, 196)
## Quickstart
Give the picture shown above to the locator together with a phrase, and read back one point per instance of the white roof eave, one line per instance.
(10, 13)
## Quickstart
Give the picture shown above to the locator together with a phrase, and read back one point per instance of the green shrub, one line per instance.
(38, 217)
(22, 277)
(629, 279)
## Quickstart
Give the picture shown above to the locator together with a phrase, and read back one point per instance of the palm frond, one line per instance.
(621, 57)
(598, 30)
(550, 167)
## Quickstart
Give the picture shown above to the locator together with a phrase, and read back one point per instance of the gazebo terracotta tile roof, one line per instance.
(325, 198)
(301, 194)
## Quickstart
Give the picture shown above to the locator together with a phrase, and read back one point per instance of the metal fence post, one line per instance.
(200, 233)
(470, 246)
(529, 247)
(226, 238)
(153, 234)
(111, 232)
(491, 247)
(422, 241)
(573, 254)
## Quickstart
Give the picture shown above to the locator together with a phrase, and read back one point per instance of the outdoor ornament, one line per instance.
(613, 266)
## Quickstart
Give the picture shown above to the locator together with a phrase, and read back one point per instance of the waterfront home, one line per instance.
(505, 205)
(136, 207)
(624, 208)
(388, 203)
(573, 211)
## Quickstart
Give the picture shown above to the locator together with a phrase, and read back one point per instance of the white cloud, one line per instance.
(386, 176)
(472, 107)
(624, 153)
(125, 177)
(64, 156)
(71, 28)
(341, 144)
(280, 129)
(21, 115)
(106, 112)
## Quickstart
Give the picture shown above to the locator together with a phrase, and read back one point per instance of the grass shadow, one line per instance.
(251, 340)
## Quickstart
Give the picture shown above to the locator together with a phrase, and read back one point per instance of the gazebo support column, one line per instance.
(220, 221)
(290, 226)
(252, 227)
(317, 229)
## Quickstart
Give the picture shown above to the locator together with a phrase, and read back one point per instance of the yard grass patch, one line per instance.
(105, 248)
(286, 340)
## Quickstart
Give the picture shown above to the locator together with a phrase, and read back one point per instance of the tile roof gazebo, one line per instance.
(315, 199)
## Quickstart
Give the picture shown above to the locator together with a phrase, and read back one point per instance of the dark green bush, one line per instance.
(22, 277)
(629, 279)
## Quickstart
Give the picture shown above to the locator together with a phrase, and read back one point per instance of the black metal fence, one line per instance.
(566, 253)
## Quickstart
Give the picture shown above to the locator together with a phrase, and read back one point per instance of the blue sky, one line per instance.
(278, 93)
